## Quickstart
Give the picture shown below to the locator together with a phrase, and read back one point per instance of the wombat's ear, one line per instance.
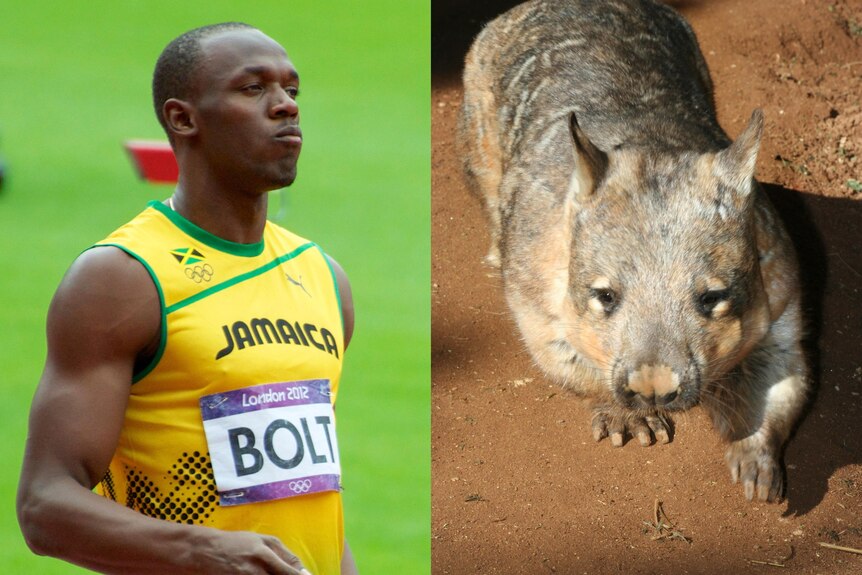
(735, 164)
(590, 163)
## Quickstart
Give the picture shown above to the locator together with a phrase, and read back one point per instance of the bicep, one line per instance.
(75, 421)
(104, 313)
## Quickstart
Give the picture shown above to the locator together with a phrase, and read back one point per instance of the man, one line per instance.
(194, 355)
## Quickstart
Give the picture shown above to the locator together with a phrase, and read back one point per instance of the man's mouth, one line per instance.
(289, 135)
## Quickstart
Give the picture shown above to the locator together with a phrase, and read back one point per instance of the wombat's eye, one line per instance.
(605, 297)
(709, 300)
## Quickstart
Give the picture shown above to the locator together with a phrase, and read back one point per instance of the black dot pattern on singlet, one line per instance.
(190, 497)
(108, 485)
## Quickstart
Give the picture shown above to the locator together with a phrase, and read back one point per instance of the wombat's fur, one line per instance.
(643, 263)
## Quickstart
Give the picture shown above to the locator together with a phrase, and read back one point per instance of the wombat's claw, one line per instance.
(659, 426)
(493, 258)
(754, 463)
(615, 423)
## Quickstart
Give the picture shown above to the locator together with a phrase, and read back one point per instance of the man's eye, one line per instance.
(292, 91)
(252, 89)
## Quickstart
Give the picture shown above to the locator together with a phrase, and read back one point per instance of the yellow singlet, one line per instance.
(231, 425)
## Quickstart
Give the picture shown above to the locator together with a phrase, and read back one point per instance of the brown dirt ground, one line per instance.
(518, 484)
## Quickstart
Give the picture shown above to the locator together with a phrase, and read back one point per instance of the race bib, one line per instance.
(272, 441)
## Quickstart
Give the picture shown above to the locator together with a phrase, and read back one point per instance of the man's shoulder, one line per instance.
(142, 223)
(278, 229)
(109, 264)
(286, 239)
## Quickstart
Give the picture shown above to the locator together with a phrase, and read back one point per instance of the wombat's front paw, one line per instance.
(754, 461)
(616, 421)
(493, 257)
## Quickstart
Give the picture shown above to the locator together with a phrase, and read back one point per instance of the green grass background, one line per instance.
(74, 83)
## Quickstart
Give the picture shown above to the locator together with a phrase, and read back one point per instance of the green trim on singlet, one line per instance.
(239, 279)
(163, 329)
(203, 236)
(337, 290)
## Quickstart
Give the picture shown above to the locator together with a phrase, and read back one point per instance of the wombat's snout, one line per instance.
(647, 385)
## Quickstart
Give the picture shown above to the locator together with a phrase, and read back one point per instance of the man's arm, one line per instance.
(348, 564)
(346, 299)
(104, 315)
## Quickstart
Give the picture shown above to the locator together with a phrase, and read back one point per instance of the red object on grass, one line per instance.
(154, 161)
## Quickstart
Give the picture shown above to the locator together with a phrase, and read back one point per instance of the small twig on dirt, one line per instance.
(474, 308)
(770, 563)
(840, 548)
(663, 526)
(775, 562)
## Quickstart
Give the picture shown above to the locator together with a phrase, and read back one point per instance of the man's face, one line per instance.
(248, 119)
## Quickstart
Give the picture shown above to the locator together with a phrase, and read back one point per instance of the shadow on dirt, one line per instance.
(454, 25)
(825, 233)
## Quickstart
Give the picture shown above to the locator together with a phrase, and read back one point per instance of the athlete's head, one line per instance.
(175, 70)
(226, 96)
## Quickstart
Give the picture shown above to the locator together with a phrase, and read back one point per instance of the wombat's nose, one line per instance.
(653, 400)
(655, 384)
(663, 400)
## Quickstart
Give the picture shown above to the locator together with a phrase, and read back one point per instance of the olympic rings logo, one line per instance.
(200, 274)
(300, 486)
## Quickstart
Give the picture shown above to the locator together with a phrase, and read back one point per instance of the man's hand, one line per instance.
(246, 553)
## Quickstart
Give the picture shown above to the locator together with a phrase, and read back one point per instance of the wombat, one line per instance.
(644, 265)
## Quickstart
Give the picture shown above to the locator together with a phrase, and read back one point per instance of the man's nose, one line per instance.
(285, 105)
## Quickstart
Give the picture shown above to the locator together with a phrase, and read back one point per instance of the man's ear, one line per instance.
(179, 117)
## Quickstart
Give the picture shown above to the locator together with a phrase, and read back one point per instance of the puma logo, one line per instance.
(297, 283)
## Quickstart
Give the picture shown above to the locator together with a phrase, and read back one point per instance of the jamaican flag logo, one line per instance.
(197, 268)
(187, 256)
